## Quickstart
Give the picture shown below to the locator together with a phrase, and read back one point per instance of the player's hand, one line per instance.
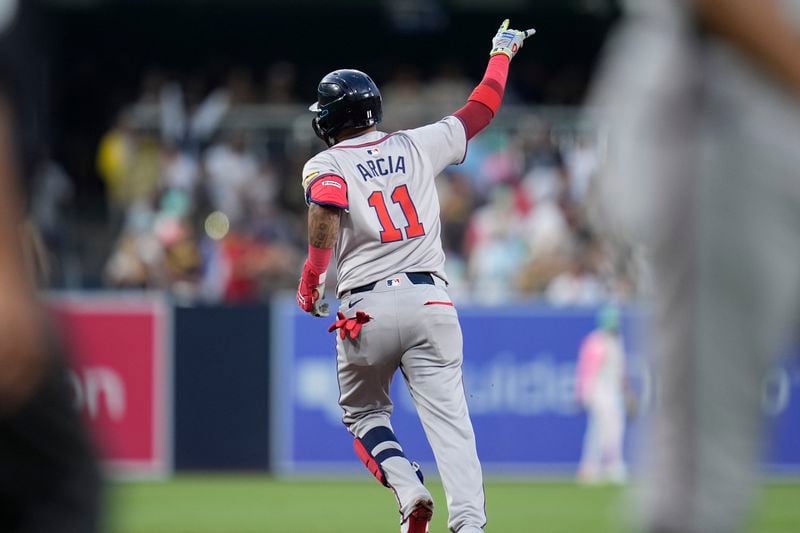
(307, 291)
(509, 42)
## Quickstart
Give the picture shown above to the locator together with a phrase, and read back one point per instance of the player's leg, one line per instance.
(611, 429)
(747, 306)
(618, 471)
(589, 469)
(722, 308)
(432, 368)
(365, 370)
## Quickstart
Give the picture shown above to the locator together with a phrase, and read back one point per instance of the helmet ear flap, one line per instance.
(319, 133)
(315, 126)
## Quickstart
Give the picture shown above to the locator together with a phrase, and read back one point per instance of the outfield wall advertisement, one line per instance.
(120, 374)
(519, 375)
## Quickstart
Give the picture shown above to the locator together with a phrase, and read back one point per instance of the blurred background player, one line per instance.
(373, 196)
(49, 482)
(704, 102)
(601, 388)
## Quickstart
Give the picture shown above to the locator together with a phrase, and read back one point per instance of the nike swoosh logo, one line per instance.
(351, 304)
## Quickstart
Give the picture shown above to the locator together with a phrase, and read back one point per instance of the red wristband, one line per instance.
(319, 258)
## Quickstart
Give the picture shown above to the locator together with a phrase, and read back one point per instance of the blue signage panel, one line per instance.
(781, 402)
(221, 387)
(519, 376)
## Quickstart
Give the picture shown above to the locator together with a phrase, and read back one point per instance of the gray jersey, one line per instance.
(703, 169)
(392, 222)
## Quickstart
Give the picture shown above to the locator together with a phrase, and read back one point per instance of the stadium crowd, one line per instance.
(213, 211)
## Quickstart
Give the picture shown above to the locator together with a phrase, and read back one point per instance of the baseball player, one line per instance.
(372, 196)
(601, 391)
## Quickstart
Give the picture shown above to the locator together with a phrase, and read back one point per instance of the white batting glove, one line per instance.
(321, 307)
(509, 42)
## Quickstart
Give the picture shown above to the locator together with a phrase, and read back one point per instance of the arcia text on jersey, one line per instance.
(382, 167)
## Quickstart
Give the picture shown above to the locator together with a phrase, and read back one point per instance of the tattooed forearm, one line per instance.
(323, 226)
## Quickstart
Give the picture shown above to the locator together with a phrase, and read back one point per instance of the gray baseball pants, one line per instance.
(413, 328)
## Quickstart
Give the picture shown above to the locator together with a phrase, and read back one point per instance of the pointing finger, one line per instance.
(503, 26)
(529, 33)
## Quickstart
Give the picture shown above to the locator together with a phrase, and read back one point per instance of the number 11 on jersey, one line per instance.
(390, 232)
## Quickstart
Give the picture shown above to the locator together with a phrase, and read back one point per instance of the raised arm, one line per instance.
(485, 100)
(760, 30)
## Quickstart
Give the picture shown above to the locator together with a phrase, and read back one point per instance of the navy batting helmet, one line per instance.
(346, 99)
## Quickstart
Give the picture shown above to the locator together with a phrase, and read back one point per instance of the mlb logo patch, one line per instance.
(373, 151)
(394, 282)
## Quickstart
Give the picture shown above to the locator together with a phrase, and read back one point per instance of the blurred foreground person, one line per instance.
(49, 482)
(601, 391)
(703, 98)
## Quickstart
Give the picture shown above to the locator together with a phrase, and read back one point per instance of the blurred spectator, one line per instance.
(449, 88)
(180, 170)
(135, 260)
(546, 177)
(231, 170)
(582, 163)
(402, 96)
(190, 116)
(497, 249)
(51, 195)
(578, 285)
(150, 89)
(241, 86)
(128, 160)
(115, 156)
(279, 85)
(457, 205)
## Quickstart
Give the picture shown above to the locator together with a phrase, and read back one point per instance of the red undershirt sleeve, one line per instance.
(485, 100)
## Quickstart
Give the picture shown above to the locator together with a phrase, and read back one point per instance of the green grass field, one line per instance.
(245, 504)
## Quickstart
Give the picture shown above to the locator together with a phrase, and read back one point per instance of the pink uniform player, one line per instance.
(373, 202)
(601, 390)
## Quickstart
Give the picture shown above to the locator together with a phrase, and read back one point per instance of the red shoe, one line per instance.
(420, 517)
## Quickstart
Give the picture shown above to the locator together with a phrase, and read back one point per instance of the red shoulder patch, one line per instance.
(328, 190)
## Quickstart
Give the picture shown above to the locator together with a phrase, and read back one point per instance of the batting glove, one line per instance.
(349, 327)
(509, 42)
(308, 290)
